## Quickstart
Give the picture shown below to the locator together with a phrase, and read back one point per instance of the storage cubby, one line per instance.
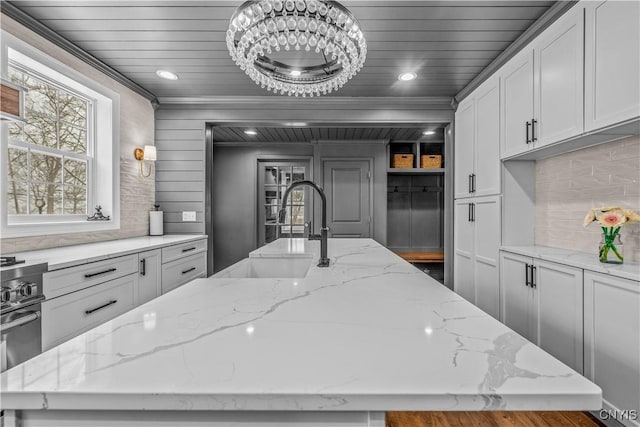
(429, 145)
(415, 213)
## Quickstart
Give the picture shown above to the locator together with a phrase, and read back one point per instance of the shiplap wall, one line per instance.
(568, 185)
(180, 137)
(137, 194)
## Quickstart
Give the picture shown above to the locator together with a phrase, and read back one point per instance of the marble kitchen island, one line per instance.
(338, 347)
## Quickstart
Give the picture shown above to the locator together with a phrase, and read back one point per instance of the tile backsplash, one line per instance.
(568, 185)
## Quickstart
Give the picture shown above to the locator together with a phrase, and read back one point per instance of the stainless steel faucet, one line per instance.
(324, 260)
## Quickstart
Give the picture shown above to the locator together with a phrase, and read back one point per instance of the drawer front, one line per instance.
(69, 315)
(172, 253)
(67, 280)
(183, 270)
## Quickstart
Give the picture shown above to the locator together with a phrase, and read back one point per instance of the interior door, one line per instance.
(273, 179)
(347, 185)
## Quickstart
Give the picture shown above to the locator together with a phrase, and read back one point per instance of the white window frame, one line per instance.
(104, 171)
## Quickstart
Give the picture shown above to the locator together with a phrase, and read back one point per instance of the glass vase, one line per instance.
(611, 248)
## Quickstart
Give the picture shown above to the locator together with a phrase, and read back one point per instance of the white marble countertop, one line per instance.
(628, 270)
(68, 256)
(369, 333)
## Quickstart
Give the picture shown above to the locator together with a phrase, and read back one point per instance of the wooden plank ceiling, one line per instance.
(447, 43)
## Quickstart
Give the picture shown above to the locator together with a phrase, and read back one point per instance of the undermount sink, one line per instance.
(272, 267)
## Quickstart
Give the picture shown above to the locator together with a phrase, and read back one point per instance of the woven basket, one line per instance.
(402, 161)
(431, 161)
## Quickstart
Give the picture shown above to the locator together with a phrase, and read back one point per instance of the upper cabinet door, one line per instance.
(517, 104)
(612, 63)
(559, 78)
(464, 143)
(487, 148)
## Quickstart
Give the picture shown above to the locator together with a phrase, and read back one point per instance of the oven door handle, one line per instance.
(21, 321)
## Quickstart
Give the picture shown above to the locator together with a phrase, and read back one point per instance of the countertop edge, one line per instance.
(577, 259)
(57, 260)
(301, 402)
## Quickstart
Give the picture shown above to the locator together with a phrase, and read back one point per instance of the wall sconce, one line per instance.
(148, 154)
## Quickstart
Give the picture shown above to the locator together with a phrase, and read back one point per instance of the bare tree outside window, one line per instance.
(48, 157)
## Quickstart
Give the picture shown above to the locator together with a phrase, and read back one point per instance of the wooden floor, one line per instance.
(491, 419)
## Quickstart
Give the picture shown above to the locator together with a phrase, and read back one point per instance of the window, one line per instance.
(274, 179)
(63, 159)
(49, 161)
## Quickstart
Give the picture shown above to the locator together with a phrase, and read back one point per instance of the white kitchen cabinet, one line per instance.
(150, 279)
(463, 250)
(545, 79)
(464, 147)
(477, 150)
(516, 104)
(72, 314)
(612, 340)
(476, 249)
(182, 270)
(612, 62)
(543, 302)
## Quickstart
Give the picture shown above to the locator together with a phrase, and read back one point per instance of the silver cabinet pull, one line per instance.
(526, 275)
(93, 310)
(189, 249)
(528, 138)
(188, 270)
(21, 321)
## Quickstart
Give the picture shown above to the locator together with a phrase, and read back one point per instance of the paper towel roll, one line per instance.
(155, 223)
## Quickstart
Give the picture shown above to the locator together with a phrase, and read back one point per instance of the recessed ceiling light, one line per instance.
(296, 124)
(296, 72)
(167, 75)
(405, 77)
(429, 132)
(250, 132)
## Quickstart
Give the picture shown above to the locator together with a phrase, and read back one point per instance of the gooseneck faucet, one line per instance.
(324, 260)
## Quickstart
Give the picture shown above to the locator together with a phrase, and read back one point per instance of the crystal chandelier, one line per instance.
(325, 37)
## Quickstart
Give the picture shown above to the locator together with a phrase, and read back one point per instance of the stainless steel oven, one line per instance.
(21, 297)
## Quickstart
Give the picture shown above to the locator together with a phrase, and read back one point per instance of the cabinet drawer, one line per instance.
(183, 270)
(70, 315)
(67, 280)
(171, 253)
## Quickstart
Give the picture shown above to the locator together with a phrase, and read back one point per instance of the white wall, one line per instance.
(568, 185)
(137, 195)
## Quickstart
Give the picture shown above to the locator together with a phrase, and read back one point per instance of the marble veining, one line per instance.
(629, 270)
(369, 333)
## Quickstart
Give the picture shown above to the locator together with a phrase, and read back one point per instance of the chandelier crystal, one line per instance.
(263, 33)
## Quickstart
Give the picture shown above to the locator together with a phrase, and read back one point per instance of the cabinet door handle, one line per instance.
(470, 183)
(473, 182)
(144, 267)
(93, 310)
(526, 275)
(533, 276)
(111, 270)
(188, 270)
(528, 139)
(469, 212)
(473, 212)
(189, 249)
(533, 130)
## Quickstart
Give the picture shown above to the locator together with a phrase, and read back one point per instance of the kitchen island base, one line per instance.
(39, 418)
